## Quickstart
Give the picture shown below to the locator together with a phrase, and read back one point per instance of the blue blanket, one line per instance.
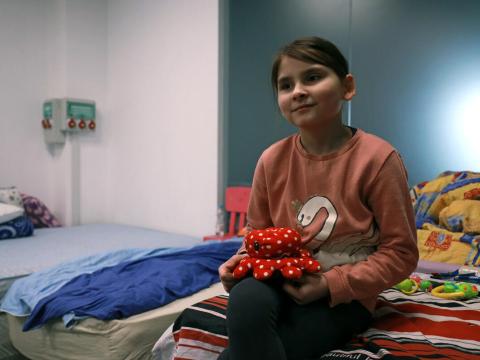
(25, 293)
(133, 287)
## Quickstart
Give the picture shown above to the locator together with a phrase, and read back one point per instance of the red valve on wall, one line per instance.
(72, 123)
(46, 124)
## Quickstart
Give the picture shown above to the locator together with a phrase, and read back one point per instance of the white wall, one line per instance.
(52, 48)
(152, 68)
(162, 98)
(23, 83)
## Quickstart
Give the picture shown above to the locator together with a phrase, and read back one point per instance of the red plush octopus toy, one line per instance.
(275, 249)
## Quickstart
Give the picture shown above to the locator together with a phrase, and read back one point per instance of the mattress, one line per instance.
(51, 246)
(131, 338)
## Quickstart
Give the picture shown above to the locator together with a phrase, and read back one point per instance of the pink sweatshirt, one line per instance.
(352, 208)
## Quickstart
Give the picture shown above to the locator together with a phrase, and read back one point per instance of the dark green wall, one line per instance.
(416, 63)
(257, 30)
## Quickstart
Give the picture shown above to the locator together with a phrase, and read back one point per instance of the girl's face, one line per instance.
(311, 95)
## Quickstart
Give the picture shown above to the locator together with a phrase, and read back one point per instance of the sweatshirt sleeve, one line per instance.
(396, 256)
(258, 213)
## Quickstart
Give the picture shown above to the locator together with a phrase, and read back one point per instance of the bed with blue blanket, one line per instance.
(103, 291)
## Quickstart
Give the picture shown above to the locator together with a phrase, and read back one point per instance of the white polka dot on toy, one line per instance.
(265, 274)
(279, 242)
(290, 272)
(240, 268)
(289, 231)
(286, 235)
(257, 261)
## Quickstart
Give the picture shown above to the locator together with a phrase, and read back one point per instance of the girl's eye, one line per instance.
(284, 86)
(313, 77)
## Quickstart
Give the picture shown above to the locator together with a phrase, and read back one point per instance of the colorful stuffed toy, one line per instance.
(275, 249)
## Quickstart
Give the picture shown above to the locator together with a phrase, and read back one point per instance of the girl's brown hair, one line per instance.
(313, 50)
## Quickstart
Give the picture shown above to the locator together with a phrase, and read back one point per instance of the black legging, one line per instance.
(264, 323)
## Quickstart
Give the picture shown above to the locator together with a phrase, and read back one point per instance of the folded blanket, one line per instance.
(133, 287)
(447, 212)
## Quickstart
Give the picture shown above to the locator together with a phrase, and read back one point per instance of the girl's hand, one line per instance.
(226, 271)
(308, 288)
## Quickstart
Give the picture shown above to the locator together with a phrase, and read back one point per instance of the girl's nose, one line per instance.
(299, 92)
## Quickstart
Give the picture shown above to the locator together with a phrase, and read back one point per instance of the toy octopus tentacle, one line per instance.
(291, 272)
(263, 270)
(305, 253)
(311, 265)
(243, 267)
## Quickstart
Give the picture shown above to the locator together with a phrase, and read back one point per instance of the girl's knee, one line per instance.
(254, 299)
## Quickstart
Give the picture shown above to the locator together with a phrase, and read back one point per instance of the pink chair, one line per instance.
(236, 203)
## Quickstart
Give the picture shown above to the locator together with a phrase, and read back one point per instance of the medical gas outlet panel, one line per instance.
(61, 116)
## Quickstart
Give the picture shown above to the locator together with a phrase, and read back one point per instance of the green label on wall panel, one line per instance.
(47, 110)
(79, 110)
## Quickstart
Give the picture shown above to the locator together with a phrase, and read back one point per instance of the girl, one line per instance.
(346, 192)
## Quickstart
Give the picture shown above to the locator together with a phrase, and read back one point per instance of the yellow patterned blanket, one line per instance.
(447, 212)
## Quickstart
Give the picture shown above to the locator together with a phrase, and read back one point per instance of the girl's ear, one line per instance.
(349, 87)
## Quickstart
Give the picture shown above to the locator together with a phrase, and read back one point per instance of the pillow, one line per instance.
(38, 212)
(9, 212)
(461, 216)
(10, 195)
(430, 198)
(18, 227)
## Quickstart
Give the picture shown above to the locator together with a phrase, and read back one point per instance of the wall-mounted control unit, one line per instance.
(67, 115)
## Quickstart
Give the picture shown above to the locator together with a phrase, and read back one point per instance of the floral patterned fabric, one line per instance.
(39, 214)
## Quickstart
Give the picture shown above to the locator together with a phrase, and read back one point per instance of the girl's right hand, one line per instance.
(226, 271)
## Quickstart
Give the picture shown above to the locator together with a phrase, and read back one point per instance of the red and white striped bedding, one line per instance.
(418, 326)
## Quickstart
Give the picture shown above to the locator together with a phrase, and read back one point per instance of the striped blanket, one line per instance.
(405, 327)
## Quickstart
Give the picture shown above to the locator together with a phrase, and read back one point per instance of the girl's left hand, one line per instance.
(308, 288)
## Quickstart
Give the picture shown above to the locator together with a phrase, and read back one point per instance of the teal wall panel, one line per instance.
(257, 30)
(415, 61)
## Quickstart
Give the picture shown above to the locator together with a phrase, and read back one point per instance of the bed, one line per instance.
(54, 258)
(408, 327)
(418, 326)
